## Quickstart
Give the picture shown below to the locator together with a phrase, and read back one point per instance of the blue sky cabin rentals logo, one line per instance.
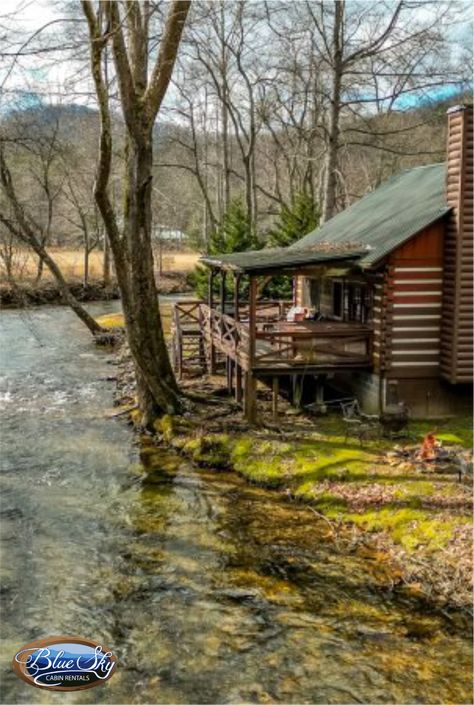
(64, 663)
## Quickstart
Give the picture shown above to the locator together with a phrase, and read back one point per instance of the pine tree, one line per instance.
(294, 221)
(234, 234)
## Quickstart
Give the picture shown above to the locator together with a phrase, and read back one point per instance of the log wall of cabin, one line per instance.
(457, 331)
(411, 307)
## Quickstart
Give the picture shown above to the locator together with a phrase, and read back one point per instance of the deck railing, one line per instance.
(278, 344)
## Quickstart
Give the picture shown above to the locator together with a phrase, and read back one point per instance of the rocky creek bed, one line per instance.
(208, 588)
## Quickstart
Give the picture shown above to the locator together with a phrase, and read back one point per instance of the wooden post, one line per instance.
(212, 352)
(222, 292)
(275, 390)
(230, 374)
(237, 278)
(250, 381)
(250, 398)
(319, 406)
(238, 383)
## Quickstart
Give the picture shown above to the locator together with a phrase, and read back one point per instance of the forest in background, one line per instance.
(279, 115)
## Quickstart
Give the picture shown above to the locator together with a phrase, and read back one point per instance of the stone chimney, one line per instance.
(457, 321)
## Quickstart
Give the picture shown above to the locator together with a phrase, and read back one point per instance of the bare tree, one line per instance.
(23, 227)
(141, 94)
(373, 56)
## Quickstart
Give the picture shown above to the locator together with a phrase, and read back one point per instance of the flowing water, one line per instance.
(208, 590)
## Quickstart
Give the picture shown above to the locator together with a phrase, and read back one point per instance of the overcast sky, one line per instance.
(47, 75)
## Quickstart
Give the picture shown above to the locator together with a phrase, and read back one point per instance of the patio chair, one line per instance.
(357, 424)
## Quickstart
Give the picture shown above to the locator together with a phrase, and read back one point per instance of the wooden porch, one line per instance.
(255, 340)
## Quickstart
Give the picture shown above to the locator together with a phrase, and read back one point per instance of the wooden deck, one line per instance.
(272, 346)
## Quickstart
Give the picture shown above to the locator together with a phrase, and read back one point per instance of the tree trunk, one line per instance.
(86, 252)
(68, 297)
(25, 232)
(156, 386)
(106, 261)
(131, 245)
(39, 270)
(330, 177)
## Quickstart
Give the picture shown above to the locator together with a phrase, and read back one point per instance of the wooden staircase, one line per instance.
(187, 339)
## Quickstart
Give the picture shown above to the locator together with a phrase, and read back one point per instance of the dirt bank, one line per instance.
(47, 292)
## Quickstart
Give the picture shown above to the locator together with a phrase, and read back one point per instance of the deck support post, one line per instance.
(230, 374)
(275, 391)
(222, 290)
(238, 383)
(212, 352)
(250, 398)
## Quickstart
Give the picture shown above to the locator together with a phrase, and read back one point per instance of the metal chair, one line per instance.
(357, 424)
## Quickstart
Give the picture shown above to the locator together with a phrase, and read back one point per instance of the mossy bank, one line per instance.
(420, 520)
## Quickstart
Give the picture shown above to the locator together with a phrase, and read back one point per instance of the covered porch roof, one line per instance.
(284, 259)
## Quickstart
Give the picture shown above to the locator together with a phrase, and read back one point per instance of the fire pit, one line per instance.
(431, 456)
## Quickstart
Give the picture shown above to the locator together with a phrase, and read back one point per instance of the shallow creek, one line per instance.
(209, 590)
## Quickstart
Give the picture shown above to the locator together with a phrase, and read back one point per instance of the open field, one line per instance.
(71, 263)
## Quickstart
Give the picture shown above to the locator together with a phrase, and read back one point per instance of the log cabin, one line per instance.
(382, 298)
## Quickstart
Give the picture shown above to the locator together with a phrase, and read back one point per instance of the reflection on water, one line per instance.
(209, 590)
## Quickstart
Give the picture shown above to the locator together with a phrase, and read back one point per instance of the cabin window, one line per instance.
(356, 303)
(337, 299)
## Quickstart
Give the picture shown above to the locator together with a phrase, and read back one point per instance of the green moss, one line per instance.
(410, 527)
(457, 430)
(166, 427)
(136, 417)
(209, 451)
(301, 467)
(111, 321)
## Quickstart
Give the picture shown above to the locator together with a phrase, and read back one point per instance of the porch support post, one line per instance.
(250, 381)
(230, 373)
(222, 292)
(237, 278)
(275, 390)
(212, 352)
(238, 368)
(250, 398)
(238, 383)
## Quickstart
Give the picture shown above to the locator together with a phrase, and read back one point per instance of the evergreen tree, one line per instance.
(234, 234)
(294, 222)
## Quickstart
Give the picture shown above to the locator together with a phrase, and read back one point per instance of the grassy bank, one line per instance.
(343, 480)
(421, 520)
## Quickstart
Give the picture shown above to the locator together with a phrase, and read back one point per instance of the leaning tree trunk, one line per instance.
(39, 271)
(24, 231)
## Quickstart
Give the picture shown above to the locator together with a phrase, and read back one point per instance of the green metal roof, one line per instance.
(281, 258)
(365, 232)
(387, 217)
